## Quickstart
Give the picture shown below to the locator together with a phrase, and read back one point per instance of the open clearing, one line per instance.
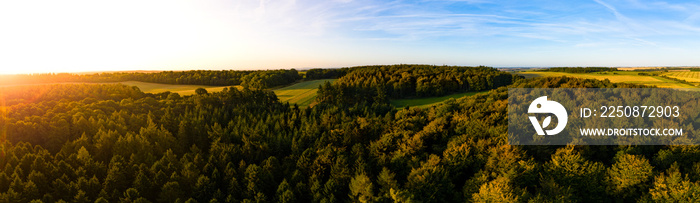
(303, 93)
(632, 77)
(183, 90)
(427, 102)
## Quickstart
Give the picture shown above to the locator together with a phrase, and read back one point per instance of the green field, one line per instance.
(183, 90)
(615, 76)
(303, 93)
(427, 102)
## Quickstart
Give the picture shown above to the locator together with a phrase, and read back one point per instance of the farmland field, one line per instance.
(183, 90)
(632, 77)
(303, 93)
(690, 76)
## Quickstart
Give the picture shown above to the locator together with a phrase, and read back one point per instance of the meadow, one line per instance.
(303, 93)
(183, 90)
(632, 77)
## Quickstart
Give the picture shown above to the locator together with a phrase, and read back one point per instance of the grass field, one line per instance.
(427, 102)
(690, 76)
(303, 93)
(616, 76)
(180, 89)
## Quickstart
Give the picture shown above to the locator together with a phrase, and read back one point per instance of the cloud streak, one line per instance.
(430, 20)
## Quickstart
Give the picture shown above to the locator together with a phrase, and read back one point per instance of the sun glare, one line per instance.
(74, 36)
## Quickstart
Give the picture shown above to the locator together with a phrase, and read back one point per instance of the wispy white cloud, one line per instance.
(399, 20)
(611, 8)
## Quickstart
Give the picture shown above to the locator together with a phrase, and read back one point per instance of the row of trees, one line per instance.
(579, 69)
(372, 84)
(261, 78)
(401, 81)
(272, 78)
(317, 73)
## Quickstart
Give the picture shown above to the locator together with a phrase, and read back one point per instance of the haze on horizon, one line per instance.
(85, 35)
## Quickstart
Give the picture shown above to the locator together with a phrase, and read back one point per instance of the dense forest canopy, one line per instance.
(266, 79)
(334, 73)
(113, 143)
(372, 84)
(401, 81)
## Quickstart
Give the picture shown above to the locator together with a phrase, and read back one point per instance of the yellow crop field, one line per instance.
(632, 77)
(690, 76)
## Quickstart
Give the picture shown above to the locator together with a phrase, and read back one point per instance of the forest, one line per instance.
(327, 73)
(370, 84)
(114, 143)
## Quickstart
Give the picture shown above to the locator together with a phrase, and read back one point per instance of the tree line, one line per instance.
(326, 73)
(372, 84)
(579, 69)
(258, 79)
(272, 78)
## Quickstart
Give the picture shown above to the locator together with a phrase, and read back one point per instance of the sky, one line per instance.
(38, 36)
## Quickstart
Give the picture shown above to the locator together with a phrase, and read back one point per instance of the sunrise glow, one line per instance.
(83, 35)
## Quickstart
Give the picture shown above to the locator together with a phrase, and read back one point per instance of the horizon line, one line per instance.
(309, 68)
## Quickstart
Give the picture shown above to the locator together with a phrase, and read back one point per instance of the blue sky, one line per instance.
(84, 35)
